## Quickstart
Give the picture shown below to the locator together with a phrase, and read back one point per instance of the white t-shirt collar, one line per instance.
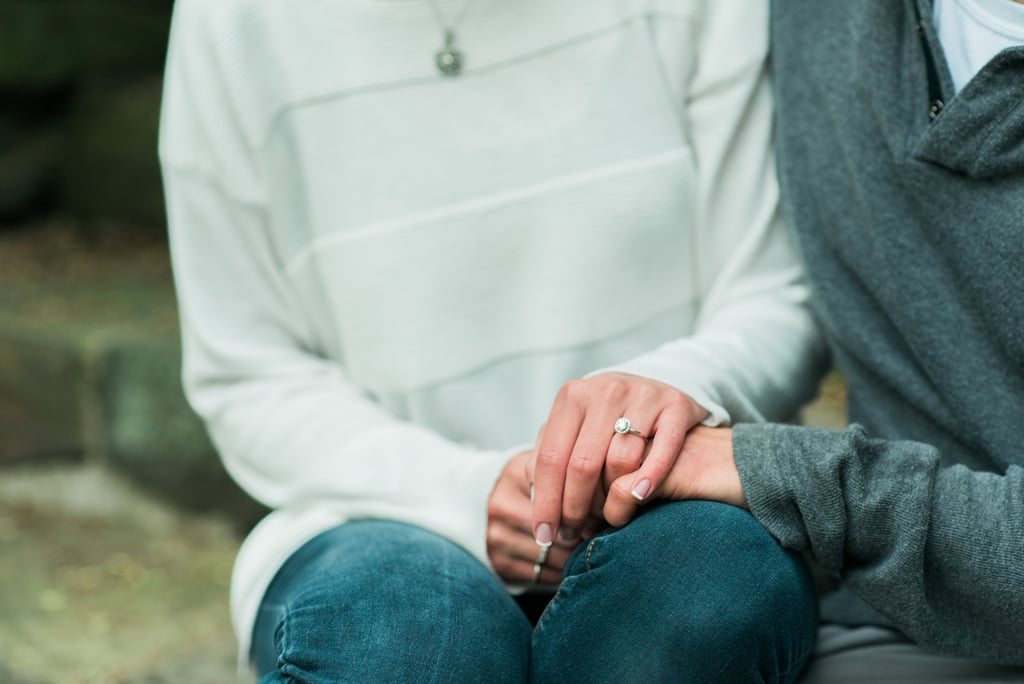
(972, 32)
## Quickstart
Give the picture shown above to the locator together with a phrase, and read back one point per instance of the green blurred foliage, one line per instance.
(53, 43)
(79, 105)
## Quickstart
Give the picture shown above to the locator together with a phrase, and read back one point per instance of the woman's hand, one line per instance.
(579, 447)
(510, 543)
(705, 469)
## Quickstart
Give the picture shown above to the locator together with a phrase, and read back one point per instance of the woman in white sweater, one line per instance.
(398, 228)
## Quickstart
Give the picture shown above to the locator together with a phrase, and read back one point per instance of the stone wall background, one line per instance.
(89, 350)
(118, 523)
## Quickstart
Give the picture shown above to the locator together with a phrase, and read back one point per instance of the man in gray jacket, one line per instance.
(901, 157)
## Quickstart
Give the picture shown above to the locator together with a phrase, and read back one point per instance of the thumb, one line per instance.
(623, 500)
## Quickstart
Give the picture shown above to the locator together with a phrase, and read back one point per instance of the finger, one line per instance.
(626, 452)
(549, 577)
(553, 452)
(506, 526)
(513, 553)
(621, 506)
(508, 514)
(598, 439)
(530, 464)
(515, 542)
(597, 502)
(507, 523)
(522, 572)
(670, 429)
(595, 519)
(540, 432)
(593, 525)
(586, 464)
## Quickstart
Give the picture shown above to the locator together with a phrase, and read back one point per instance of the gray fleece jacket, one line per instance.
(912, 231)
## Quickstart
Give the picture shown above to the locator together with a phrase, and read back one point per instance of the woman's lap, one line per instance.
(384, 601)
(687, 589)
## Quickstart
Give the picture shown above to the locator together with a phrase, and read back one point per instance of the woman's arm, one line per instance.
(290, 427)
(755, 353)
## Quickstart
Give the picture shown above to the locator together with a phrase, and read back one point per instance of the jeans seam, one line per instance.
(558, 592)
(280, 642)
(590, 552)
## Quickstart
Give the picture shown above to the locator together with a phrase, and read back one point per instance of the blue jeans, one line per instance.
(688, 592)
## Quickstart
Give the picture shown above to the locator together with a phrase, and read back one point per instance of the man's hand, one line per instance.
(705, 469)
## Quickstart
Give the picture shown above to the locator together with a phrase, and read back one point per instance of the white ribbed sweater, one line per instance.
(385, 275)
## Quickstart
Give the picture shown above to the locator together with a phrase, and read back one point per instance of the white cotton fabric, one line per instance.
(972, 32)
(385, 275)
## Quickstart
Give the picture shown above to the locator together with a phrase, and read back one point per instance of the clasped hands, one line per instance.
(583, 475)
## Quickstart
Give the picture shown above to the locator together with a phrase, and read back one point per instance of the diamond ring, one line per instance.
(624, 427)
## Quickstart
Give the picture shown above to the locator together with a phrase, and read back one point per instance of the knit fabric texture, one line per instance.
(912, 231)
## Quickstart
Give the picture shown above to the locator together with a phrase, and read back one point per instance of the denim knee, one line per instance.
(383, 601)
(689, 591)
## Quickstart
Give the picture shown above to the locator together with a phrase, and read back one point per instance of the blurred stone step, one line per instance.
(90, 372)
(8, 676)
(101, 583)
(42, 383)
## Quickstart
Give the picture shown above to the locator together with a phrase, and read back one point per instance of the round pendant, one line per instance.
(448, 60)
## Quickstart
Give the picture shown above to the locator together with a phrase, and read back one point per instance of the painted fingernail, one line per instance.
(568, 534)
(641, 489)
(544, 537)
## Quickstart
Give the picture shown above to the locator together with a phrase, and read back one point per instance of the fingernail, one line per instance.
(544, 537)
(568, 534)
(641, 489)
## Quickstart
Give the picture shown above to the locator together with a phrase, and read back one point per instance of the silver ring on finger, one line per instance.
(624, 427)
(542, 558)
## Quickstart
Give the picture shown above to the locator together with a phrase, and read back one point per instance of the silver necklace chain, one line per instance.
(449, 59)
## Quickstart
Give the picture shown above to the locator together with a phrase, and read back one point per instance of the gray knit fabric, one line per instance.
(913, 235)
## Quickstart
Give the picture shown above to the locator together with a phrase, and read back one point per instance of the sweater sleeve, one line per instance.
(290, 427)
(937, 550)
(756, 352)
